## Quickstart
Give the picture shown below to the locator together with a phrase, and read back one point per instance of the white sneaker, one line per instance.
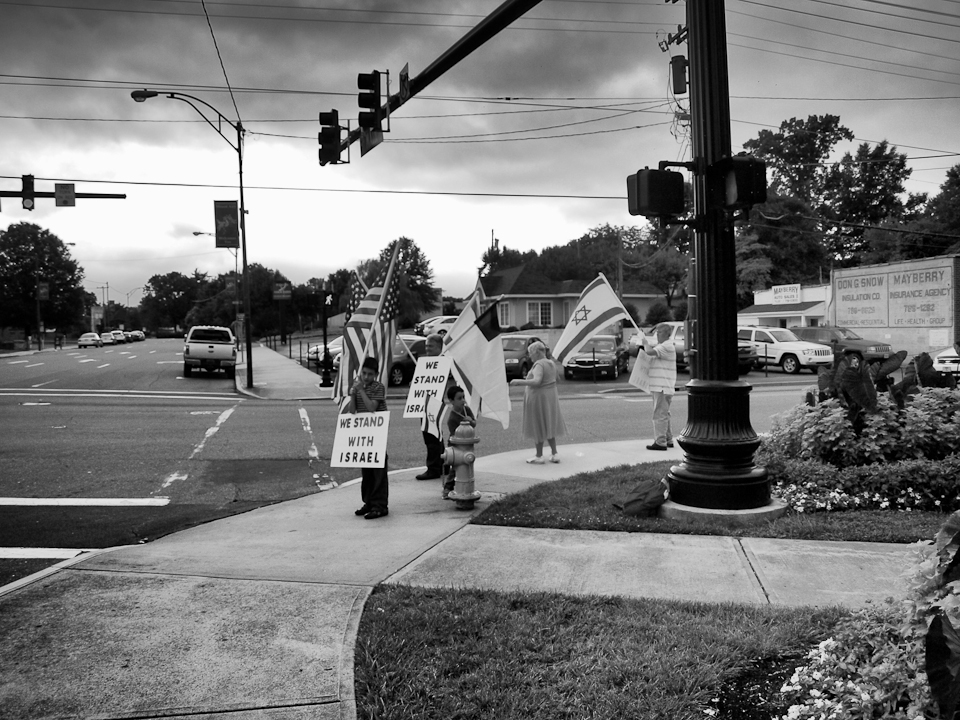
(554, 458)
(538, 460)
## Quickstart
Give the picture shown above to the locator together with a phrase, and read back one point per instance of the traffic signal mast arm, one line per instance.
(490, 26)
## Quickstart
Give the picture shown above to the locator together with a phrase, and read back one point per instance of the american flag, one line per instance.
(371, 329)
(356, 293)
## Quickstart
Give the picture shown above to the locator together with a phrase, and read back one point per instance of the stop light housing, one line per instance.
(655, 193)
(329, 137)
(371, 118)
(739, 181)
(29, 200)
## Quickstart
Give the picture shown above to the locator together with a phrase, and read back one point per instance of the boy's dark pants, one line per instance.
(374, 487)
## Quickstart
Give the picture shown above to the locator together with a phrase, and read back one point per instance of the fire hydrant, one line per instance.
(462, 456)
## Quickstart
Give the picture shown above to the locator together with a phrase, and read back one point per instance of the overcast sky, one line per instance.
(529, 139)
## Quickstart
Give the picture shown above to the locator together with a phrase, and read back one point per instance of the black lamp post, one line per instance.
(325, 379)
(142, 96)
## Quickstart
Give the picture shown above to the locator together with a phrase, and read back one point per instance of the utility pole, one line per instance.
(717, 471)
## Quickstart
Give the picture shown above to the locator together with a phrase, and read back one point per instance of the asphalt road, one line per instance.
(113, 446)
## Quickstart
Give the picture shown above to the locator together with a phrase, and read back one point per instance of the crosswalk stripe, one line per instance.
(83, 502)
(22, 553)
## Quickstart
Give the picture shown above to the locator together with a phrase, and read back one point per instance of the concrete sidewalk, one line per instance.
(255, 615)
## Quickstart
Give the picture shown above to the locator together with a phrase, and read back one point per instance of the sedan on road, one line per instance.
(89, 340)
(601, 355)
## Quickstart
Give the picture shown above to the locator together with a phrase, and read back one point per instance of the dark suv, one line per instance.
(845, 340)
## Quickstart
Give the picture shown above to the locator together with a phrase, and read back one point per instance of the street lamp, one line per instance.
(142, 96)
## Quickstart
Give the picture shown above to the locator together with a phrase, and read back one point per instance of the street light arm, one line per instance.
(142, 95)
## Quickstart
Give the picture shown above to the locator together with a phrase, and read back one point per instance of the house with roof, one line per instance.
(533, 300)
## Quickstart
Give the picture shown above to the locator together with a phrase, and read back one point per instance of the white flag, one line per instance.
(597, 307)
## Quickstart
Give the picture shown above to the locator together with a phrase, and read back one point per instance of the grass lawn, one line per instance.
(470, 654)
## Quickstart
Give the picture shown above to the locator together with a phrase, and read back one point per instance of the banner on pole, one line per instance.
(225, 219)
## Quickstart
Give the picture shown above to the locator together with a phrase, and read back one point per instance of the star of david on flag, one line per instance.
(597, 307)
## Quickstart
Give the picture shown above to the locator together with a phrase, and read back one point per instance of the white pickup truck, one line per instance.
(211, 348)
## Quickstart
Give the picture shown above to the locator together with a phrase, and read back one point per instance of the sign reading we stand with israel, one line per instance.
(361, 440)
(430, 378)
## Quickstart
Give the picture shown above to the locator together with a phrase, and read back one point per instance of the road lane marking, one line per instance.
(107, 394)
(211, 431)
(33, 365)
(103, 366)
(34, 403)
(22, 553)
(131, 357)
(168, 362)
(87, 360)
(17, 362)
(83, 502)
(172, 478)
(152, 352)
(305, 422)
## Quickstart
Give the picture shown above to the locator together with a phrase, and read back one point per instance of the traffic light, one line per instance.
(27, 193)
(739, 181)
(655, 193)
(678, 74)
(369, 98)
(329, 137)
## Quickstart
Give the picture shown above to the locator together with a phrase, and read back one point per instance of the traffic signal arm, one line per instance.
(490, 26)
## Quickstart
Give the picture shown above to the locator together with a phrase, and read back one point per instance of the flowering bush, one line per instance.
(902, 459)
(887, 664)
(928, 427)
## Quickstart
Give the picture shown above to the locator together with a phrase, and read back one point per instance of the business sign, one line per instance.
(282, 291)
(361, 440)
(430, 378)
(911, 295)
(786, 294)
(227, 226)
(43, 291)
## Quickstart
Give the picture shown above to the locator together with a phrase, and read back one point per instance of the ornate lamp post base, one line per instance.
(718, 443)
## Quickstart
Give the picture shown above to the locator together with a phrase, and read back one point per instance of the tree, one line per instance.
(417, 294)
(865, 189)
(167, 299)
(796, 154)
(30, 255)
(496, 259)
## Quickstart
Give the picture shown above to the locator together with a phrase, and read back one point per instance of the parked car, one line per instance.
(438, 324)
(89, 340)
(107, 338)
(746, 355)
(779, 346)
(138, 335)
(129, 336)
(210, 347)
(948, 361)
(334, 347)
(401, 371)
(515, 356)
(119, 336)
(601, 355)
(845, 340)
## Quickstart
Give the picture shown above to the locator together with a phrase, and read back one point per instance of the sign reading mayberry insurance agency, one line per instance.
(912, 295)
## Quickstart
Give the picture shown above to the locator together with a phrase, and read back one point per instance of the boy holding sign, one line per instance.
(367, 396)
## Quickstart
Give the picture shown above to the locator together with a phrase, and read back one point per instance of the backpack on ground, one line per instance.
(645, 498)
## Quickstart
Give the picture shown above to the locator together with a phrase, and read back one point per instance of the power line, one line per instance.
(332, 190)
(351, 22)
(925, 36)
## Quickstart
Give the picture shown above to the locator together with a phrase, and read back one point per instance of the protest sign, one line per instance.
(361, 440)
(430, 378)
